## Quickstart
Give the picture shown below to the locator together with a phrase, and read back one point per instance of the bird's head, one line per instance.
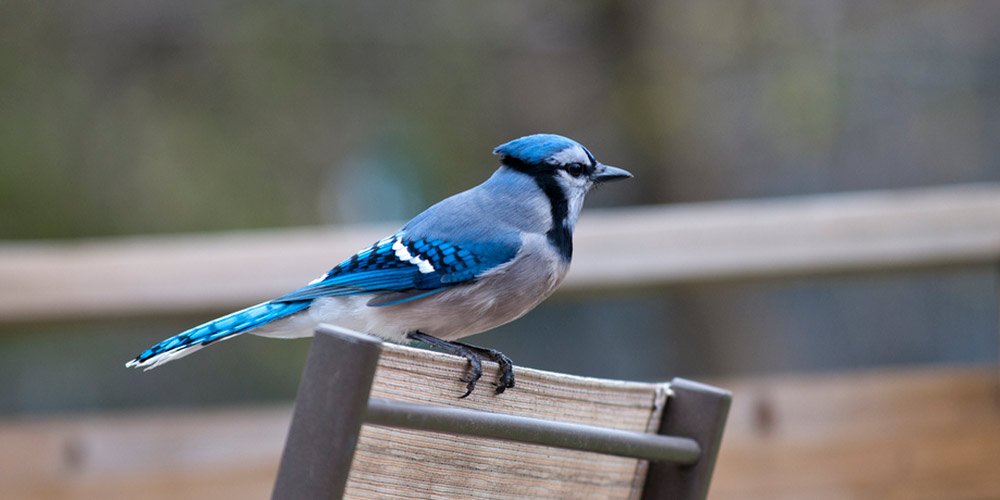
(564, 171)
(556, 159)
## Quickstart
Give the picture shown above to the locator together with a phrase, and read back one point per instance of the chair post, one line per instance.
(329, 411)
(696, 411)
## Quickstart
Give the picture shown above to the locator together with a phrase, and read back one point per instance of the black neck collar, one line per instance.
(559, 235)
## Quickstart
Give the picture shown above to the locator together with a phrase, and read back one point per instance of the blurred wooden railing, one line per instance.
(624, 248)
(928, 432)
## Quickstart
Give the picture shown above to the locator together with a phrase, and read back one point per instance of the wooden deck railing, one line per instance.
(622, 248)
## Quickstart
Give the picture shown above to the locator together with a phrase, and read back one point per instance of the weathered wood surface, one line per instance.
(395, 463)
(931, 433)
(889, 230)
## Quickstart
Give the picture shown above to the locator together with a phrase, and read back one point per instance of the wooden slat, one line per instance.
(166, 274)
(208, 454)
(891, 230)
(795, 236)
(931, 433)
(395, 463)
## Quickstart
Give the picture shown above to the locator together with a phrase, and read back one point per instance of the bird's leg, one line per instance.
(475, 362)
(473, 354)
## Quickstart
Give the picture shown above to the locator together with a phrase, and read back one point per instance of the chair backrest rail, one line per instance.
(461, 421)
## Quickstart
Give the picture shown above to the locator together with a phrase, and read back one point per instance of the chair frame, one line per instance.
(333, 402)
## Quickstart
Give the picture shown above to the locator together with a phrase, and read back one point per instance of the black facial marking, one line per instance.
(544, 174)
(532, 169)
(559, 235)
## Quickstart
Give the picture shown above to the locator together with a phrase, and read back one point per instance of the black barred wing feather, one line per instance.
(405, 269)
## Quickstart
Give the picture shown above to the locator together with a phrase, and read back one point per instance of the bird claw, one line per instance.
(475, 372)
(505, 377)
(471, 386)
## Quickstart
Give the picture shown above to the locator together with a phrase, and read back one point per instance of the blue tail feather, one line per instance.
(217, 329)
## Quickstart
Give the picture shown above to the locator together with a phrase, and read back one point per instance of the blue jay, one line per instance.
(472, 262)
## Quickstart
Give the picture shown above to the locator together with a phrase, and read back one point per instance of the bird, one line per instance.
(474, 261)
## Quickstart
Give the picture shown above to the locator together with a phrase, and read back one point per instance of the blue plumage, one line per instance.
(432, 266)
(400, 264)
(536, 148)
(469, 263)
(219, 329)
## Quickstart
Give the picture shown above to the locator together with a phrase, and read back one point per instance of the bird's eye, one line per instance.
(575, 169)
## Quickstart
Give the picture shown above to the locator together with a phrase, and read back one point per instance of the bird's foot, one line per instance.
(505, 377)
(474, 354)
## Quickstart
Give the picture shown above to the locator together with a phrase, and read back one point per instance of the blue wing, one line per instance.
(402, 268)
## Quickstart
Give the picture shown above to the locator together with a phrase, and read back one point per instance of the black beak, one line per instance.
(607, 173)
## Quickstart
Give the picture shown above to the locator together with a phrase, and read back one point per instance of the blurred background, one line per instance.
(135, 119)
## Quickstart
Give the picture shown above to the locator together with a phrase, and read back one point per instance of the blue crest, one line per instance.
(533, 149)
